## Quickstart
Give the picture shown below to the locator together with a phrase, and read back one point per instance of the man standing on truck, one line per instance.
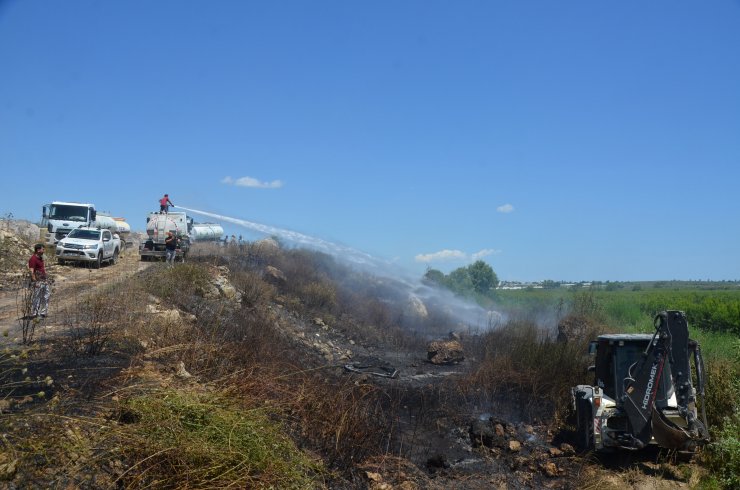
(164, 204)
(170, 244)
(39, 282)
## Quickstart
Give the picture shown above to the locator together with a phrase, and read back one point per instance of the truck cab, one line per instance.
(60, 217)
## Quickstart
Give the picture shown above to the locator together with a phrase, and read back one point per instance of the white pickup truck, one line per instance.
(87, 244)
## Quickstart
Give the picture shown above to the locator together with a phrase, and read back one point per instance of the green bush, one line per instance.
(176, 283)
(202, 441)
(723, 455)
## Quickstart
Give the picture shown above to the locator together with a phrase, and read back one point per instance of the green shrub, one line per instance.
(202, 441)
(723, 455)
(173, 283)
(722, 392)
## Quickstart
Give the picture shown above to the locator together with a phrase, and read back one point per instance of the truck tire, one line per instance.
(61, 262)
(114, 260)
(99, 261)
(584, 422)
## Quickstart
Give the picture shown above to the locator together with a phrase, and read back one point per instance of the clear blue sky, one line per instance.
(574, 140)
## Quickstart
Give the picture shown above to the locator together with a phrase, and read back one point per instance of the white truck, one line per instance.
(88, 244)
(58, 218)
(157, 226)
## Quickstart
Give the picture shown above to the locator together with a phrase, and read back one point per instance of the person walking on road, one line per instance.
(39, 283)
(170, 244)
(164, 204)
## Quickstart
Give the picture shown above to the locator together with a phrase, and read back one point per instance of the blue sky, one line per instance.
(573, 140)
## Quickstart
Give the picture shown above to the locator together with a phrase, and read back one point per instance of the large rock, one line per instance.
(275, 276)
(416, 307)
(445, 352)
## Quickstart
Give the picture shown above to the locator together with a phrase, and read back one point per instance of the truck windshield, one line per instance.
(68, 212)
(86, 234)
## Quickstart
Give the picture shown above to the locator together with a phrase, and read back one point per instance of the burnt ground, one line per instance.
(445, 437)
(449, 438)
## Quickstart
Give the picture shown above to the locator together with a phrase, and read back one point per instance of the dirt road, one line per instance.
(70, 283)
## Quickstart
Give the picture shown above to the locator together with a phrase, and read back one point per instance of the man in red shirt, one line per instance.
(41, 289)
(164, 204)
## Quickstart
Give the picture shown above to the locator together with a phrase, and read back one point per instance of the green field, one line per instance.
(713, 314)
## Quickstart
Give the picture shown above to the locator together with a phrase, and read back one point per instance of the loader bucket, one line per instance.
(669, 435)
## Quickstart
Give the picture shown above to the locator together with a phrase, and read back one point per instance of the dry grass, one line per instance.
(523, 360)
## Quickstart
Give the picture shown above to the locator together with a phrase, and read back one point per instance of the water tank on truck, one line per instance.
(206, 232)
(123, 229)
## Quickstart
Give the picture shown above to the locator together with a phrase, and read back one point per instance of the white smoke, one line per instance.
(465, 312)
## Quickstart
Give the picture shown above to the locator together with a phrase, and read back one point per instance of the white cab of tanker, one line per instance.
(58, 218)
(157, 226)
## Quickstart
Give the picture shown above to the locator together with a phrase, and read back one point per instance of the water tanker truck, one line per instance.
(157, 226)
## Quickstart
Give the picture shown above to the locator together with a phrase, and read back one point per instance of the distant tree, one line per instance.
(550, 284)
(459, 280)
(482, 277)
(434, 276)
(613, 286)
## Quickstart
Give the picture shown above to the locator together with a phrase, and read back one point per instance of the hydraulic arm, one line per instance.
(669, 354)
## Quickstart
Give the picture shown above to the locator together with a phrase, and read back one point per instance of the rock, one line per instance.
(550, 469)
(445, 352)
(274, 276)
(319, 322)
(170, 316)
(567, 449)
(182, 372)
(376, 477)
(515, 446)
(408, 485)
(555, 452)
(499, 429)
(417, 307)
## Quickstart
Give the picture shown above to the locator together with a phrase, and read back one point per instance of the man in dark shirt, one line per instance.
(41, 289)
(170, 244)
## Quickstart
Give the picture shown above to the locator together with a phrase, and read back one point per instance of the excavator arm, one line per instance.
(677, 428)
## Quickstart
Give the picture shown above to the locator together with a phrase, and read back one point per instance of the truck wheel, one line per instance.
(114, 260)
(584, 422)
(61, 262)
(99, 262)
